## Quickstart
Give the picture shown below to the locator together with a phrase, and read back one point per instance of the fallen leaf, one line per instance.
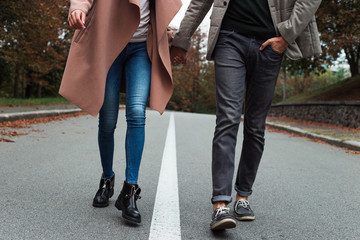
(6, 140)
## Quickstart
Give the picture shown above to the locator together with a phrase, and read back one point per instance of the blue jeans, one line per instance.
(134, 66)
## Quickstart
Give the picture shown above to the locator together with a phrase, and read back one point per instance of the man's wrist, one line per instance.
(284, 40)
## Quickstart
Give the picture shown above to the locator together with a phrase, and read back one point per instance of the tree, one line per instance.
(34, 38)
(194, 86)
(339, 24)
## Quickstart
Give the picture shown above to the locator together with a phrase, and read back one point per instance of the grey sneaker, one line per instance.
(242, 210)
(222, 219)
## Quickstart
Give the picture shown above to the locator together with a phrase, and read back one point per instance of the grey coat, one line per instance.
(294, 20)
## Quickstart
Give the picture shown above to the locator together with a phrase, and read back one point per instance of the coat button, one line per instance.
(225, 3)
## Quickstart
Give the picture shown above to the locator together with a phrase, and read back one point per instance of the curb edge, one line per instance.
(351, 145)
(5, 117)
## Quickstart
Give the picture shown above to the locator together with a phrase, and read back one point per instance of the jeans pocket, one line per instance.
(276, 52)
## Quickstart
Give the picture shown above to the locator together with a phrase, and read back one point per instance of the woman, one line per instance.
(119, 42)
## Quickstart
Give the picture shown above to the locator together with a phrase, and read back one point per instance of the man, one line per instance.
(247, 40)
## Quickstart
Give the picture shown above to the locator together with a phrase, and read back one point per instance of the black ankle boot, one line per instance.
(127, 202)
(106, 191)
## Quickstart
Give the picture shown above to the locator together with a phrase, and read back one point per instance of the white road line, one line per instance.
(165, 223)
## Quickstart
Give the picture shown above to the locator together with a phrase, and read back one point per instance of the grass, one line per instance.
(342, 136)
(32, 101)
(347, 90)
(334, 132)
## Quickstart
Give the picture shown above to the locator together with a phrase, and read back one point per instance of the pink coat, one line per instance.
(110, 24)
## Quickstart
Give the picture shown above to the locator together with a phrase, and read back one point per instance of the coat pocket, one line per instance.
(79, 33)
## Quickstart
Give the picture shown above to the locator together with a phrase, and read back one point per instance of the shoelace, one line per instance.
(242, 202)
(222, 210)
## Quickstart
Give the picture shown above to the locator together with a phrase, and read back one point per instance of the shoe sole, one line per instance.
(223, 224)
(100, 205)
(127, 218)
(245, 218)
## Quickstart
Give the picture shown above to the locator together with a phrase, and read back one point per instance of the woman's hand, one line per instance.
(77, 19)
(177, 56)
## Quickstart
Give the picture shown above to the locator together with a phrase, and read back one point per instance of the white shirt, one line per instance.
(141, 33)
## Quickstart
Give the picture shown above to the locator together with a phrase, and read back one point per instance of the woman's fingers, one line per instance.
(78, 22)
(70, 22)
(177, 56)
(77, 19)
(83, 18)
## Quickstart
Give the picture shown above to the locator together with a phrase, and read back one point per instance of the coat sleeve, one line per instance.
(194, 15)
(83, 5)
(303, 12)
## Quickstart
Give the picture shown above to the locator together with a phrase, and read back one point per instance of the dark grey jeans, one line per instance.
(240, 66)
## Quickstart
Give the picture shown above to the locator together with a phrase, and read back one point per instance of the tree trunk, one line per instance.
(28, 90)
(353, 60)
(17, 80)
(39, 91)
(354, 68)
(16, 86)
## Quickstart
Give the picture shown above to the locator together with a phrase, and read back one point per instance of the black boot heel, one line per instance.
(118, 205)
(126, 202)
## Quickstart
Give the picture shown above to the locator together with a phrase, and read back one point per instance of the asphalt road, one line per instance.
(304, 190)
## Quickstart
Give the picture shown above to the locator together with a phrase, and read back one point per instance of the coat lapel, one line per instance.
(135, 2)
(165, 12)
